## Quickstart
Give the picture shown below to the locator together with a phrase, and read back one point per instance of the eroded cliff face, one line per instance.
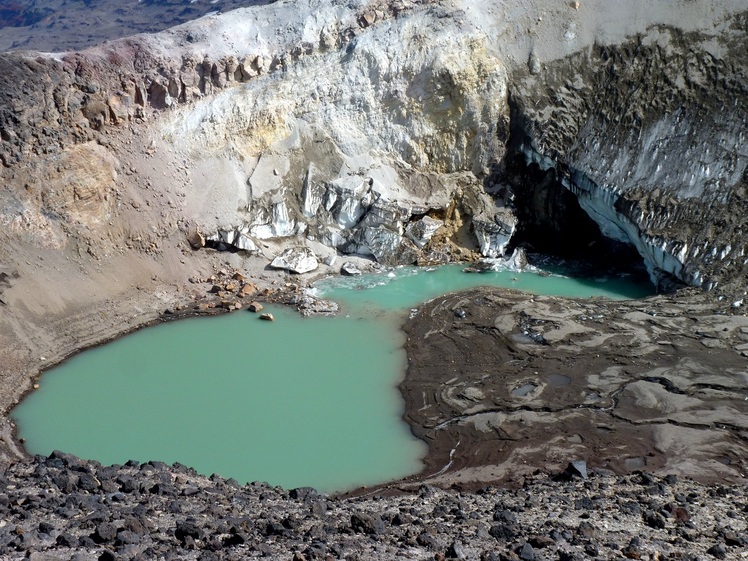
(356, 148)
(370, 128)
(649, 136)
(365, 142)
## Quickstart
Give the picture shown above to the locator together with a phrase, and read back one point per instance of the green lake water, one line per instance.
(294, 402)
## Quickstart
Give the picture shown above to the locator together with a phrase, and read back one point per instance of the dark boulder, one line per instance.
(105, 532)
(654, 520)
(367, 524)
(188, 529)
(526, 552)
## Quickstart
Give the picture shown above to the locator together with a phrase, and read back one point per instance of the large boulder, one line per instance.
(420, 232)
(297, 260)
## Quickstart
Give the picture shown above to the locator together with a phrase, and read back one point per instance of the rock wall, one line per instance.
(355, 150)
(341, 136)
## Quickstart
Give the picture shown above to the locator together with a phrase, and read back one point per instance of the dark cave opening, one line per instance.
(552, 223)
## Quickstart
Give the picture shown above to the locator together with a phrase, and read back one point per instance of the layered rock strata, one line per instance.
(648, 135)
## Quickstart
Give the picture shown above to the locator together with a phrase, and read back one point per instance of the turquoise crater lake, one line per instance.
(295, 402)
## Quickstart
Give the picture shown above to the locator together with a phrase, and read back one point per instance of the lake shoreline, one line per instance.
(444, 464)
(35, 341)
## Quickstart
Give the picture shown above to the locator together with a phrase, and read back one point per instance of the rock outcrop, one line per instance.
(648, 136)
(353, 122)
(298, 261)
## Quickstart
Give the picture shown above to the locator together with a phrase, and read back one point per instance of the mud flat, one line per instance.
(501, 384)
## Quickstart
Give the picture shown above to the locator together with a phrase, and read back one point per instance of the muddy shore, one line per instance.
(501, 385)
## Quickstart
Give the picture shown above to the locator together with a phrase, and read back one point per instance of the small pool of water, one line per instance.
(298, 401)
(558, 380)
(406, 287)
(523, 391)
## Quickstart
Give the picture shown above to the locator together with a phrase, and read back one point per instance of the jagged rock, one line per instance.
(247, 289)
(533, 64)
(188, 528)
(345, 199)
(379, 241)
(633, 549)
(421, 231)
(311, 193)
(296, 260)
(349, 269)
(654, 519)
(195, 238)
(236, 237)
(367, 18)
(517, 261)
(383, 212)
(457, 550)
(105, 532)
(367, 523)
(255, 307)
(277, 223)
(577, 468)
(526, 552)
(494, 235)
(244, 242)
(121, 108)
(623, 185)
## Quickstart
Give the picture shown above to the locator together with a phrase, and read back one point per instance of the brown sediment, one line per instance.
(658, 384)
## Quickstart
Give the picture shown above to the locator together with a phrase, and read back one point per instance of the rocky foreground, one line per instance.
(64, 508)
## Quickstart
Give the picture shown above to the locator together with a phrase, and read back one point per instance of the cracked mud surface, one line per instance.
(523, 383)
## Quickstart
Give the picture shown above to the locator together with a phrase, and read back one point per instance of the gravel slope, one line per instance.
(64, 508)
